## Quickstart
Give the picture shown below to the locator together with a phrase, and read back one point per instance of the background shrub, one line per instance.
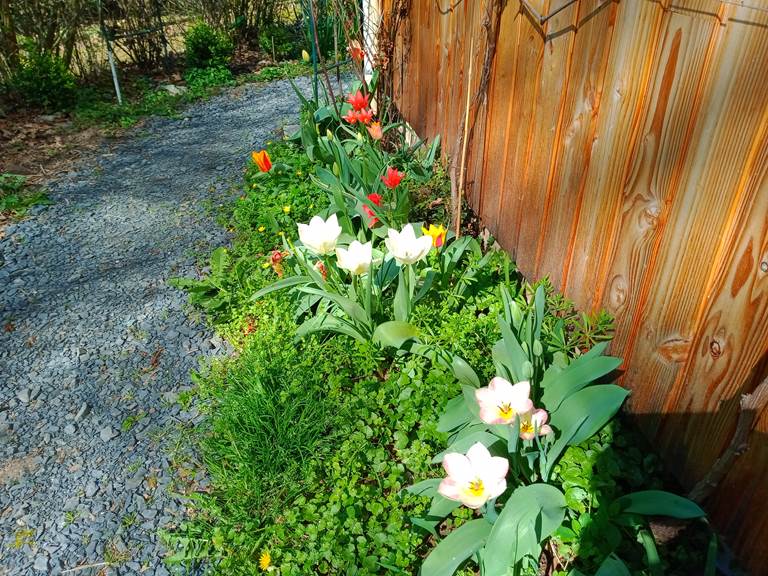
(199, 80)
(206, 47)
(43, 80)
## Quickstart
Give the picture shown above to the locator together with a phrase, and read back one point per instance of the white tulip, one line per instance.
(405, 247)
(357, 258)
(320, 235)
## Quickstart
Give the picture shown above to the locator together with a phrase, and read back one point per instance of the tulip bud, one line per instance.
(305, 55)
(537, 348)
(359, 137)
(329, 134)
(335, 169)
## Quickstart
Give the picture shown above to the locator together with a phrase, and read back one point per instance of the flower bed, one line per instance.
(403, 401)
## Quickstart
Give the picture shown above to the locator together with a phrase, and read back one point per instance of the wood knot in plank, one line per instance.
(617, 294)
(675, 349)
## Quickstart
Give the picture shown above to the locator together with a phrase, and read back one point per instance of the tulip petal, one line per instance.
(458, 468)
(450, 489)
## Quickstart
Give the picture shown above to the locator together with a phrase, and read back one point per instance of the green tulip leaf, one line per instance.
(394, 333)
(456, 548)
(599, 403)
(531, 515)
(660, 503)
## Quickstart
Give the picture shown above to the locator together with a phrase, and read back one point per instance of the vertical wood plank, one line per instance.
(649, 188)
(530, 54)
(501, 97)
(730, 336)
(629, 74)
(565, 187)
(559, 33)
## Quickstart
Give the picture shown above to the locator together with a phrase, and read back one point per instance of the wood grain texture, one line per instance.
(623, 152)
(572, 157)
(625, 88)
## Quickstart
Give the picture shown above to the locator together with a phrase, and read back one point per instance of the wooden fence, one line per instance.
(622, 150)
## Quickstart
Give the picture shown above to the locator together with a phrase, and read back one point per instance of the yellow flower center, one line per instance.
(505, 411)
(526, 428)
(476, 487)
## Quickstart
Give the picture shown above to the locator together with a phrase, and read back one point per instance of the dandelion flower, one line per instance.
(261, 228)
(265, 560)
(287, 209)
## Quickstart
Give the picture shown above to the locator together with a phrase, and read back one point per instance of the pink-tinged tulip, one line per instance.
(375, 199)
(475, 478)
(375, 130)
(501, 401)
(261, 159)
(392, 178)
(358, 101)
(350, 116)
(533, 422)
(365, 116)
(356, 51)
(437, 233)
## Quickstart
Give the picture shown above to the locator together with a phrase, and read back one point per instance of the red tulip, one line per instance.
(365, 116)
(392, 178)
(375, 199)
(350, 117)
(261, 159)
(358, 101)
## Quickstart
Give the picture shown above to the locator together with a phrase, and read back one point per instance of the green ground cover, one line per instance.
(312, 443)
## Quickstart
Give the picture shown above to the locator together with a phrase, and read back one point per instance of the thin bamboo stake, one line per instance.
(457, 208)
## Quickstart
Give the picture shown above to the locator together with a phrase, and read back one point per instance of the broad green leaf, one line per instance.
(531, 515)
(651, 552)
(457, 547)
(328, 323)
(564, 440)
(281, 284)
(456, 414)
(462, 445)
(599, 403)
(427, 525)
(349, 306)
(613, 566)
(441, 506)
(394, 333)
(470, 400)
(659, 503)
(464, 372)
(219, 261)
(425, 487)
(578, 374)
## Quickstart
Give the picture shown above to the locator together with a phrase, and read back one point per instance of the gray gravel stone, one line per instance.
(82, 412)
(41, 562)
(107, 433)
(91, 488)
(88, 278)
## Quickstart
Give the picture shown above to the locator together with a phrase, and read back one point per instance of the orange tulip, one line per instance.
(261, 159)
(375, 131)
(356, 51)
(350, 117)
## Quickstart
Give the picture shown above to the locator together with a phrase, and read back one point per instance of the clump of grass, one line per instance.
(17, 196)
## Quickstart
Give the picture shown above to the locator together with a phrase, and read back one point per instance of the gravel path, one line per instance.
(95, 347)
